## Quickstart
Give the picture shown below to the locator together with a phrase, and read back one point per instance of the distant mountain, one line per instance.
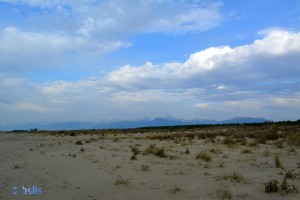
(166, 121)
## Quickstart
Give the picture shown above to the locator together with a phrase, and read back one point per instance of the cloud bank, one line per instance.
(257, 79)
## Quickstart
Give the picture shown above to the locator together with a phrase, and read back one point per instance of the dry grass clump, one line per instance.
(145, 168)
(271, 186)
(91, 140)
(229, 141)
(175, 189)
(290, 175)
(160, 152)
(247, 151)
(135, 151)
(277, 161)
(121, 181)
(293, 140)
(204, 155)
(224, 194)
(234, 177)
(152, 149)
(254, 143)
(79, 142)
(284, 188)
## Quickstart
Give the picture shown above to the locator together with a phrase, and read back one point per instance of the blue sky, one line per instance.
(93, 60)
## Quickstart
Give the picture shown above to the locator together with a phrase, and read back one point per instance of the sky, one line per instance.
(94, 60)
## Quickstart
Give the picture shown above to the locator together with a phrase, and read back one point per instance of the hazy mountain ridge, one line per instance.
(166, 121)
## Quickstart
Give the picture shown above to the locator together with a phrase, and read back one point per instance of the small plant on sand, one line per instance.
(271, 186)
(234, 177)
(150, 150)
(145, 168)
(73, 134)
(204, 155)
(252, 144)
(290, 175)
(187, 151)
(91, 140)
(229, 141)
(222, 164)
(247, 151)
(160, 152)
(267, 153)
(286, 188)
(16, 166)
(277, 161)
(135, 151)
(175, 189)
(79, 142)
(224, 194)
(121, 181)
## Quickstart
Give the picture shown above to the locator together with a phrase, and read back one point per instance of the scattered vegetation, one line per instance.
(284, 188)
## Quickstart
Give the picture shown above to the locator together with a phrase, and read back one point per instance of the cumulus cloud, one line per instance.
(272, 58)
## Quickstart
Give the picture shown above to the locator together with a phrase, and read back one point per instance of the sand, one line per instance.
(102, 168)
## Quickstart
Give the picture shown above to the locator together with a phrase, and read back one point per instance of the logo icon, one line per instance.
(14, 190)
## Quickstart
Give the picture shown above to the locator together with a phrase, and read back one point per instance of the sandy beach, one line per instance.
(201, 163)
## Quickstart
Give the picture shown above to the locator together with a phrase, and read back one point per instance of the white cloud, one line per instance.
(274, 57)
(35, 50)
(117, 16)
(202, 105)
(67, 29)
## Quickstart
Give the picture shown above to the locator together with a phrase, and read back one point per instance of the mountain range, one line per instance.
(146, 122)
